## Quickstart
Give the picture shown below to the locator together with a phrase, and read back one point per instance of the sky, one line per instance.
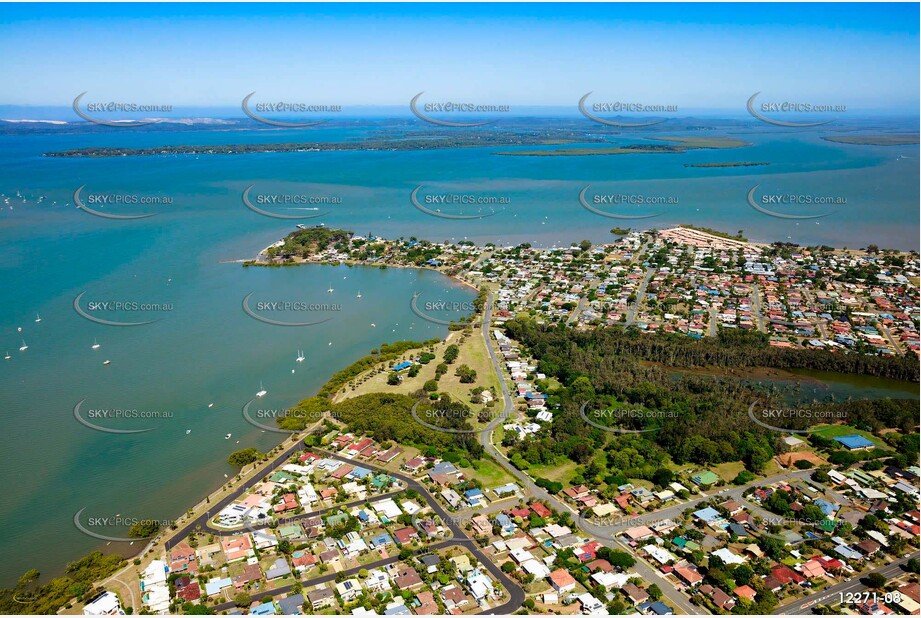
(695, 56)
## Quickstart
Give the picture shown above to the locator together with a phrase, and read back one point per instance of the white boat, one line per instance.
(188, 431)
(300, 356)
(7, 357)
(261, 391)
(227, 437)
(38, 318)
(23, 347)
(329, 290)
(359, 294)
(106, 362)
(210, 405)
(95, 345)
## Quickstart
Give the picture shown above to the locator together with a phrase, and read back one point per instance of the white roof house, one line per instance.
(106, 604)
(536, 568)
(388, 508)
(610, 581)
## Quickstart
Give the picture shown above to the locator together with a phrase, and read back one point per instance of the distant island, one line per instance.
(428, 141)
(468, 139)
(729, 164)
(875, 140)
(678, 145)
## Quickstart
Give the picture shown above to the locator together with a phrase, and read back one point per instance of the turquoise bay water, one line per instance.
(207, 350)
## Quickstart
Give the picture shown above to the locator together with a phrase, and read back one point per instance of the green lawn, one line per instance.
(729, 470)
(489, 473)
(836, 431)
(560, 472)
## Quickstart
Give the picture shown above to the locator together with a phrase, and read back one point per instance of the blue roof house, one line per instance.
(854, 442)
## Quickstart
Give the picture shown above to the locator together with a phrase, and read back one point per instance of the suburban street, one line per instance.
(676, 598)
(833, 594)
(670, 512)
(515, 593)
(633, 311)
(202, 520)
(605, 534)
(756, 307)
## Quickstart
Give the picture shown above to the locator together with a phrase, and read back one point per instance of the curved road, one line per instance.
(516, 594)
(607, 534)
(599, 533)
(202, 520)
